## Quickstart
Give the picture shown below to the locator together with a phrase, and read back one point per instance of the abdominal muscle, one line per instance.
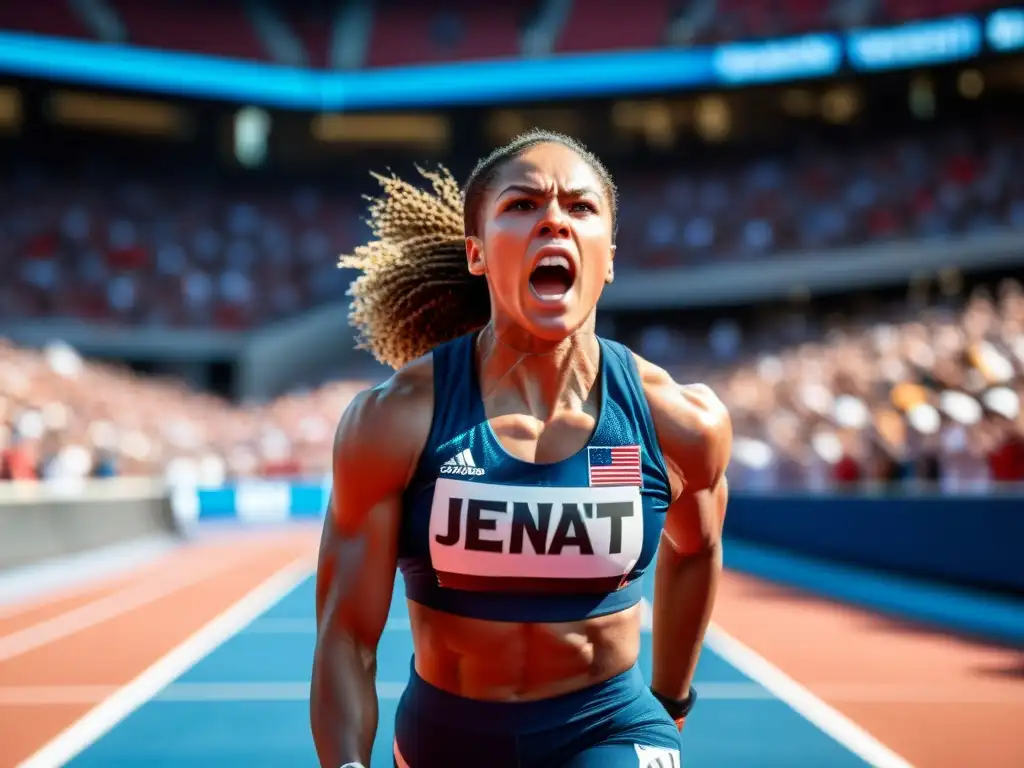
(505, 661)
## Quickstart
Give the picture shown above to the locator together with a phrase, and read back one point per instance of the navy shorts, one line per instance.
(614, 724)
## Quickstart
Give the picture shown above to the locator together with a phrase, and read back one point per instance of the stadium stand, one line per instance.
(46, 17)
(746, 19)
(313, 24)
(224, 30)
(61, 416)
(955, 182)
(117, 248)
(130, 251)
(835, 250)
(113, 248)
(889, 395)
(409, 32)
(596, 25)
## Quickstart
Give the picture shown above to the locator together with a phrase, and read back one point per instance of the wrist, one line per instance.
(677, 709)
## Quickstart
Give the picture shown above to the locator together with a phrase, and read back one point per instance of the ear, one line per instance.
(611, 267)
(475, 256)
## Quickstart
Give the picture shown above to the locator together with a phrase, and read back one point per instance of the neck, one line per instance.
(546, 376)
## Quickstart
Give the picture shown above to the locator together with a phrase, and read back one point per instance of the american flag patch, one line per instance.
(615, 466)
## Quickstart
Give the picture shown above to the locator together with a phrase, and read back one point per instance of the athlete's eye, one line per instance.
(520, 205)
(582, 206)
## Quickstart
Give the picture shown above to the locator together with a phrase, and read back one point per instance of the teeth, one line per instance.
(554, 261)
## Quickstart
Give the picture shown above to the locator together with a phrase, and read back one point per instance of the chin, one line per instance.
(553, 319)
(555, 326)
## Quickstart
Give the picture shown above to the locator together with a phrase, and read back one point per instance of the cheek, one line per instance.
(504, 249)
(596, 256)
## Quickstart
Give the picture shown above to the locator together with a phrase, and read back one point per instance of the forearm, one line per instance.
(684, 597)
(343, 702)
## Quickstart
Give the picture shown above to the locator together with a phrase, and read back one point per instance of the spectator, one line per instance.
(180, 255)
(16, 462)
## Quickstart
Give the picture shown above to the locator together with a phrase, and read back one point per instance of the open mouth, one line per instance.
(553, 277)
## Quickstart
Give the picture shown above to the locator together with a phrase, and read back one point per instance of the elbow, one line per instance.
(686, 551)
(706, 561)
(708, 549)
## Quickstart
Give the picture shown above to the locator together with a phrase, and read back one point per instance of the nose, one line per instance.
(554, 223)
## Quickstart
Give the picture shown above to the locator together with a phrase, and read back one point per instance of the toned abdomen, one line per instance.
(506, 661)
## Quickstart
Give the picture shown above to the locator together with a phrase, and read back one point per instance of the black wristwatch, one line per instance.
(677, 708)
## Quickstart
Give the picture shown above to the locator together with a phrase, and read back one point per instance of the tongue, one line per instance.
(550, 281)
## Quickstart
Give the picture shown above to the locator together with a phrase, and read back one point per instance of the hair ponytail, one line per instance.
(415, 291)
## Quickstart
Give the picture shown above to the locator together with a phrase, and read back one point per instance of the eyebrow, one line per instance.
(537, 192)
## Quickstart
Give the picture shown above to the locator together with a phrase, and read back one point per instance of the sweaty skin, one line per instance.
(538, 368)
(377, 446)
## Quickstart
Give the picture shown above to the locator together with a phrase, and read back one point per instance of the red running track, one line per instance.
(938, 701)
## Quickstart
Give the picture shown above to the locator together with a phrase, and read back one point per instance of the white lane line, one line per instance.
(105, 608)
(130, 697)
(787, 690)
(828, 719)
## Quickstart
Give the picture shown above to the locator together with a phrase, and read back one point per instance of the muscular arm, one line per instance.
(376, 446)
(685, 585)
(696, 438)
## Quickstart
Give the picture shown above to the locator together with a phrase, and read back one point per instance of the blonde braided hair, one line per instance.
(415, 291)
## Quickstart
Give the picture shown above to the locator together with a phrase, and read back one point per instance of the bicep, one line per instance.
(359, 544)
(356, 570)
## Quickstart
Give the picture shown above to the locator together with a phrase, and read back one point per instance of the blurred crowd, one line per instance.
(173, 254)
(902, 394)
(957, 182)
(313, 33)
(716, 21)
(929, 396)
(187, 254)
(63, 417)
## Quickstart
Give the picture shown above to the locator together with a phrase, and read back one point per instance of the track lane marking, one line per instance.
(129, 697)
(799, 698)
(110, 606)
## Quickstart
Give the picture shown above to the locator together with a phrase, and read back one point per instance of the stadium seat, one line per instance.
(596, 25)
(44, 17)
(313, 26)
(410, 32)
(224, 29)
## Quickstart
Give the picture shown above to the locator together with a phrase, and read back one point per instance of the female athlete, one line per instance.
(520, 471)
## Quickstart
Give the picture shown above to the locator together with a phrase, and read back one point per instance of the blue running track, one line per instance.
(246, 704)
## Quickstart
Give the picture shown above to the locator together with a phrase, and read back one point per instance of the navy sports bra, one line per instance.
(490, 536)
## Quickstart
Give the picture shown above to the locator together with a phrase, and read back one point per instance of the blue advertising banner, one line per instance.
(614, 73)
(971, 541)
(459, 83)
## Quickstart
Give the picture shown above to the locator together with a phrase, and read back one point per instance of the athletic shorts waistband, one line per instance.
(441, 706)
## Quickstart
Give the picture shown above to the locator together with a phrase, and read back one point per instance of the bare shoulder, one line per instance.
(693, 426)
(383, 430)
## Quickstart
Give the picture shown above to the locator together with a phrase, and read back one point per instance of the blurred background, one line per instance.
(826, 228)
(822, 218)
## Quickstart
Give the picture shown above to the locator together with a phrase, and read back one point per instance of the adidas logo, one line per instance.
(461, 464)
